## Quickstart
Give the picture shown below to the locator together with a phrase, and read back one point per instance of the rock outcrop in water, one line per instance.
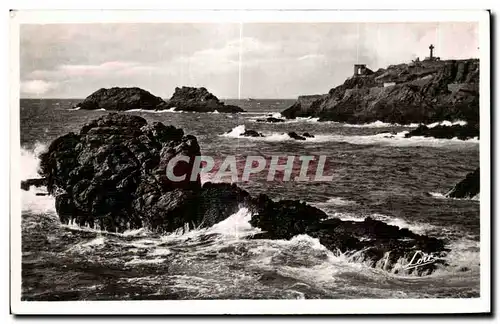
(122, 99)
(198, 100)
(420, 92)
(462, 132)
(467, 188)
(113, 174)
(296, 136)
(271, 120)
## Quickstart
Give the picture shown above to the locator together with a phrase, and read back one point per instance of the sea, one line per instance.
(377, 172)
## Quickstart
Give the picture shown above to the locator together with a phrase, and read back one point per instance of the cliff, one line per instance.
(199, 100)
(420, 92)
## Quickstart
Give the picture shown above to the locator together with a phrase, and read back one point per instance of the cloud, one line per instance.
(227, 58)
(312, 57)
(66, 71)
(37, 87)
(271, 60)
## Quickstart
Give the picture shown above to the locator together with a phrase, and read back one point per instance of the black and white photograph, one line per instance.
(288, 157)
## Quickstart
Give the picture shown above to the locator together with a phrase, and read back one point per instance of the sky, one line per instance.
(257, 60)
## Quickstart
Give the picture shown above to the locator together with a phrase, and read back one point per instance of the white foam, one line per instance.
(380, 124)
(30, 202)
(137, 260)
(439, 195)
(29, 170)
(236, 132)
(236, 225)
(387, 139)
(398, 139)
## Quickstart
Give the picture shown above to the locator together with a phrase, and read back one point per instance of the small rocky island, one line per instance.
(183, 99)
(424, 91)
(112, 174)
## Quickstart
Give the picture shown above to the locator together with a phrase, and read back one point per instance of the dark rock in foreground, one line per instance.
(455, 131)
(198, 100)
(122, 99)
(112, 174)
(467, 188)
(419, 92)
(308, 135)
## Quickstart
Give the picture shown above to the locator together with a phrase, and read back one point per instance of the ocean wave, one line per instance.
(170, 110)
(416, 227)
(34, 200)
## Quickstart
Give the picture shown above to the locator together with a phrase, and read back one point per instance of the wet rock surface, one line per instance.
(198, 100)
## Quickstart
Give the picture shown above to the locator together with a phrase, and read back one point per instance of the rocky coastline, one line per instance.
(420, 92)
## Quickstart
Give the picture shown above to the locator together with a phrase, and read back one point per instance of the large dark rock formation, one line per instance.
(454, 131)
(122, 99)
(113, 174)
(467, 188)
(198, 100)
(421, 92)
